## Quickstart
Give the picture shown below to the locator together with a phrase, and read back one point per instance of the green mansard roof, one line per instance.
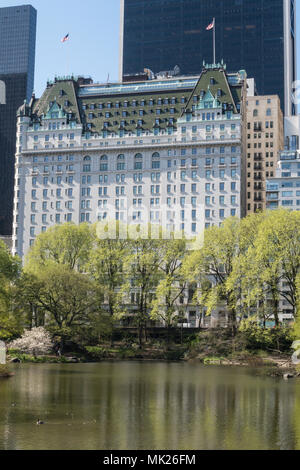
(94, 105)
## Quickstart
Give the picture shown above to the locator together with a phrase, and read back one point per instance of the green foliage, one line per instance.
(212, 361)
(78, 284)
(97, 352)
(271, 339)
(28, 358)
(68, 245)
(212, 266)
(171, 284)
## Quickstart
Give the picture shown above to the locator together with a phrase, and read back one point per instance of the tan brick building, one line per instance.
(265, 138)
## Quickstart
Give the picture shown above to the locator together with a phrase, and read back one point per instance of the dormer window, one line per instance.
(219, 93)
(211, 81)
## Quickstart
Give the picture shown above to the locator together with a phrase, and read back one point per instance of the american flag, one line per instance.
(210, 26)
(66, 38)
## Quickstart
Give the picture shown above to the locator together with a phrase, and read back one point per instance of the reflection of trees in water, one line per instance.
(148, 405)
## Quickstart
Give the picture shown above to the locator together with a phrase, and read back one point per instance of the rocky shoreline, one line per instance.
(270, 365)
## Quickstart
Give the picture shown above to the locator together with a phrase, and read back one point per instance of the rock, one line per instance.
(288, 376)
(15, 360)
(72, 360)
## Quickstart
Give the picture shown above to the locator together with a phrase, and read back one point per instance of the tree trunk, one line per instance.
(232, 322)
(140, 329)
(168, 336)
(275, 306)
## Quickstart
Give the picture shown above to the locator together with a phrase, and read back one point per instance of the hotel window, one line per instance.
(103, 163)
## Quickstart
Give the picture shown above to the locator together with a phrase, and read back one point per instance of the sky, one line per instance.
(93, 48)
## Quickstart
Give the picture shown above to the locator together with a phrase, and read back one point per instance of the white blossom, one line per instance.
(36, 341)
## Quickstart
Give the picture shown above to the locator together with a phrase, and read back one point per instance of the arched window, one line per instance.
(255, 113)
(121, 162)
(155, 161)
(87, 159)
(269, 112)
(138, 164)
(103, 163)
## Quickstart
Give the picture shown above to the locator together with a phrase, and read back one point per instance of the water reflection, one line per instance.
(147, 406)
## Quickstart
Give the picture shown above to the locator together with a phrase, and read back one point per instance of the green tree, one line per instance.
(67, 298)
(142, 269)
(171, 285)
(279, 243)
(271, 265)
(67, 244)
(10, 319)
(212, 265)
(105, 265)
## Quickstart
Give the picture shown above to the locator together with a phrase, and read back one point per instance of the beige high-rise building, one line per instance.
(265, 138)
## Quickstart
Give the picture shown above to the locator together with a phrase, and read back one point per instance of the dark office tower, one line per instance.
(255, 35)
(17, 58)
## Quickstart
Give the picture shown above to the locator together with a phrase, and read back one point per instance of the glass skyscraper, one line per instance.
(255, 35)
(17, 61)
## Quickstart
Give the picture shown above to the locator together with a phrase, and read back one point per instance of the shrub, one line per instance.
(277, 339)
(96, 352)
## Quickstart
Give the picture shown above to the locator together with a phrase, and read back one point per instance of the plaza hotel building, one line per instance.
(169, 151)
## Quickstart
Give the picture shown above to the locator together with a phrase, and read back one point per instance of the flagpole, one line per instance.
(214, 41)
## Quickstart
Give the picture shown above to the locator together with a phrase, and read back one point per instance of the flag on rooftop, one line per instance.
(211, 25)
(66, 38)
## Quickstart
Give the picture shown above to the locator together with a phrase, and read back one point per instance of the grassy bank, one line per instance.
(252, 346)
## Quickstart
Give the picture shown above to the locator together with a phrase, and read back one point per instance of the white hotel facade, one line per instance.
(169, 152)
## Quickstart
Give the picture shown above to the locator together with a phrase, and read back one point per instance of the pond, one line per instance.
(147, 405)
